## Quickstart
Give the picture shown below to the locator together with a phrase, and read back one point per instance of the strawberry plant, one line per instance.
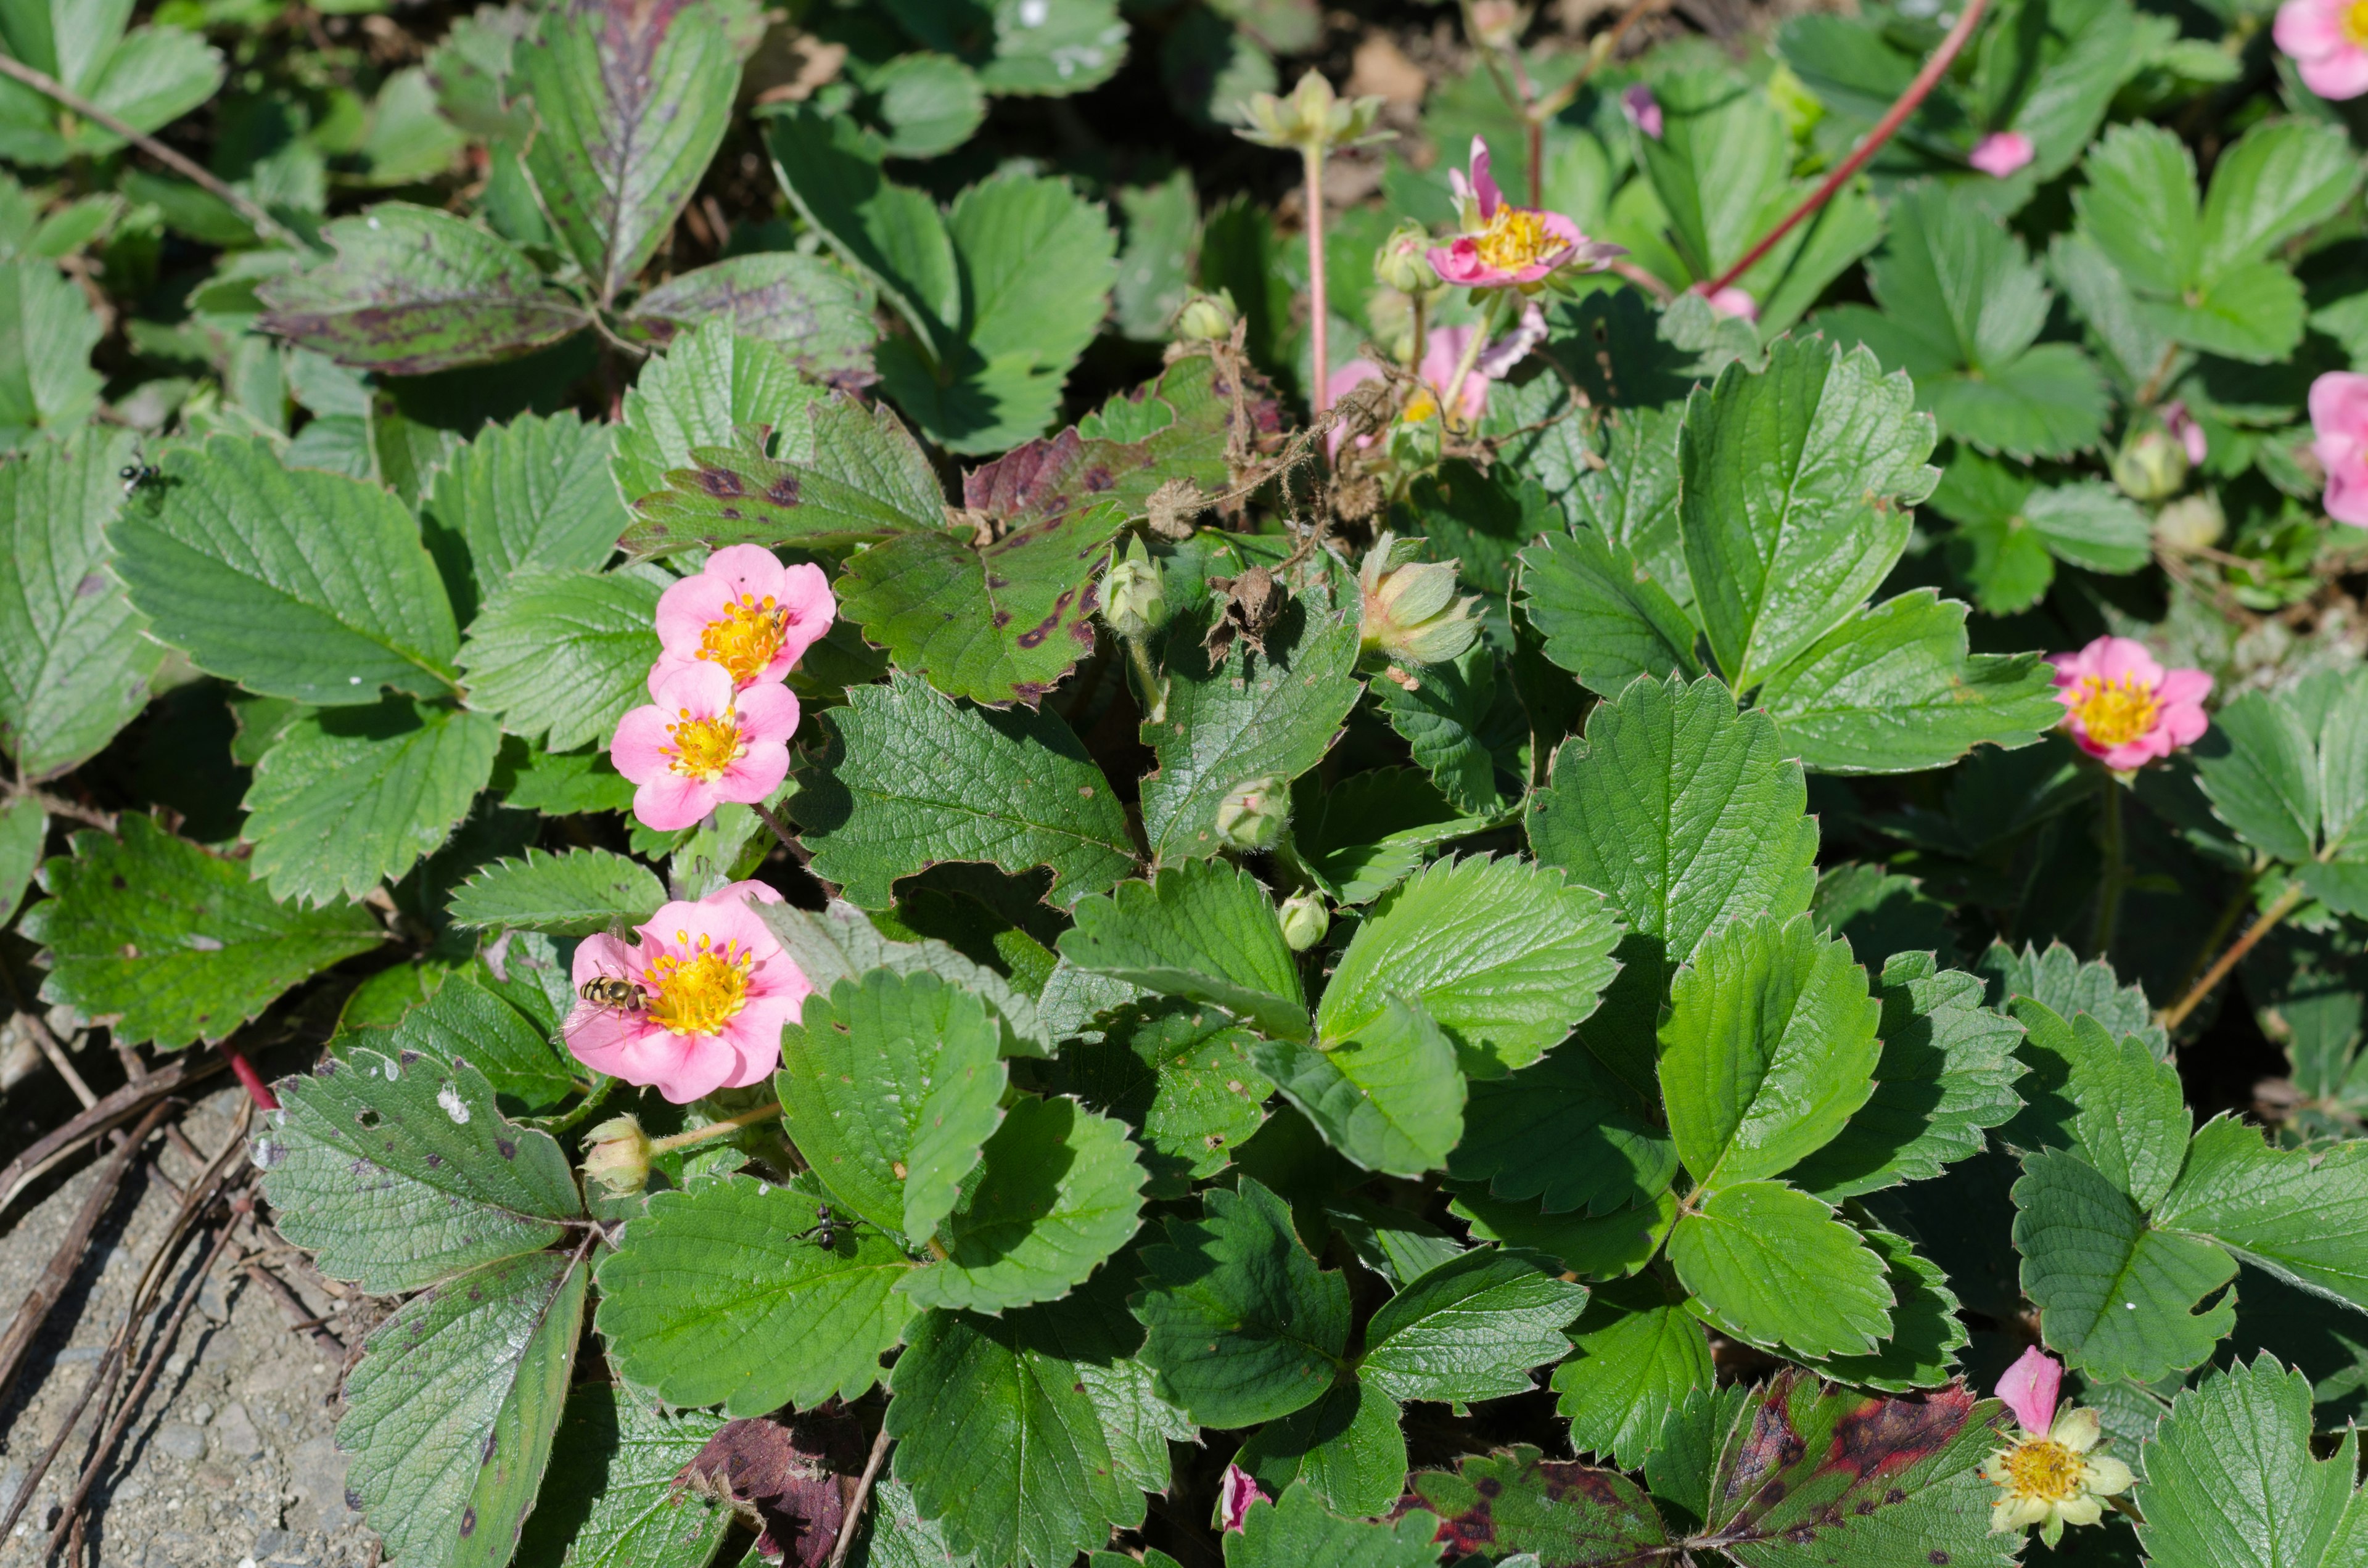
(1623, 823)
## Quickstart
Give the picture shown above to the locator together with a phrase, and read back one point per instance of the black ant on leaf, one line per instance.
(135, 475)
(823, 1233)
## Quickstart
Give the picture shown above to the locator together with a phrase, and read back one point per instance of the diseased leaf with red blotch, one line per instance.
(1813, 1474)
(1569, 1515)
(819, 314)
(791, 1482)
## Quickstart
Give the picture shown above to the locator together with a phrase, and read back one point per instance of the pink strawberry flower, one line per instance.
(2338, 417)
(1503, 245)
(1235, 1493)
(2123, 708)
(746, 612)
(2049, 1474)
(715, 989)
(2002, 153)
(2329, 42)
(1442, 351)
(702, 744)
(1642, 109)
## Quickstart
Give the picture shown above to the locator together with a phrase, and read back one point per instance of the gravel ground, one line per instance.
(229, 1462)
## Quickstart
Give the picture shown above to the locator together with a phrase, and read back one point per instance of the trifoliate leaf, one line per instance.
(2109, 1099)
(2060, 981)
(561, 656)
(1925, 1334)
(1503, 954)
(2301, 1214)
(1471, 1328)
(1687, 815)
(293, 582)
(574, 893)
(398, 1175)
(74, 668)
(1347, 1449)
(889, 1085)
(1636, 1354)
(1297, 1530)
(1798, 481)
(1771, 1264)
(533, 493)
(908, 779)
(1518, 1503)
(1180, 1074)
(1028, 1437)
(451, 1411)
(1248, 716)
(702, 392)
(1057, 1190)
(1565, 1131)
(463, 1021)
(350, 797)
(1205, 931)
(1769, 1050)
(1603, 615)
(625, 1508)
(1243, 1326)
(712, 1298)
(2230, 1476)
(1604, 1246)
(841, 943)
(172, 944)
(1391, 1101)
(1946, 1074)
(2117, 1297)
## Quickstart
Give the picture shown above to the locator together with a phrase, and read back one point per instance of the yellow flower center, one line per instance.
(2044, 1469)
(701, 993)
(2115, 713)
(750, 634)
(703, 748)
(1518, 237)
(2355, 22)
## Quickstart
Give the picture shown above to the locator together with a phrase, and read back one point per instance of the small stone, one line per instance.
(317, 1476)
(182, 1441)
(234, 1435)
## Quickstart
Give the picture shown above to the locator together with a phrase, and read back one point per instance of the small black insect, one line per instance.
(824, 1231)
(134, 475)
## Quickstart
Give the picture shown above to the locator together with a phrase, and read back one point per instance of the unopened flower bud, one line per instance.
(1207, 318)
(617, 1155)
(1312, 117)
(2151, 466)
(1132, 602)
(1497, 24)
(1411, 613)
(2190, 523)
(1403, 264)
(1251, 816)
(1305, 920)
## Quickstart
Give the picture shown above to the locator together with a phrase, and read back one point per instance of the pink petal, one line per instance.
(702, 687)
(805, 594)
(669, 665)
(755, 777)
(752, 570)
(767, 713)
(2119, 658)
(2001, 154)
(1483, 184)
(685, 612)
(2336, 76)
(671, 802)
(1235, 1493)
(740, 892)
(2181, 725)
(638, 748)
(1736, 302)
(2339, 405)
(2152, 746)
(2347, 492)
(605, 955)
(1460, 263)
(1643, 110)
(2183, 687)
(2309, 29)
(2030, 1387)
(702, 1066)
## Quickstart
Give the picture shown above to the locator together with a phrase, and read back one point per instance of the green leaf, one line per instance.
(577, 893)
(1182, 1077)
(1206, 931)
(1245, 717)
(2087, 523)
(841, 943)
(1566, 1132)
(531, 494)
(1632, 500)
(931, 104)
(1346, 1449)
(2260, 769)
(817, 314)
(1392, 1101)
(908, 779)
(630, 107)
(1772, 1265)
(1926, 1333)
(73, 666)
(1242, 1326)
(170, 943)
(1027, 1437)
(1768, 1049)
(622, 1507)
(900, 1537)
(1687, 815)
(561, 656)
(2140, 207)
(450, 1415)
(1550, 1510)
(702, 392)
(2302, 1215)
(463, 1021)
(1503, 955)
(47, 331)
(24, 828)
(1892, 689)
(1067, 46)
(1607, 1246)
(1636, 1354)
(711, 1297)
(2279, 179)
(1162, 227)
(350, 797)
(1057, 1190)
(293, 583)
(1946, 1074)
(2117, 1297)
(1363, 836)
(1297, 1530)
(2109, 1099)
(2057, 980)
(397, 1174)
(1453, 720)
(891, 233)
(1470, 1328)
(1603, 615)
(413, 290)
(890, 1087)
(2231, 1476)
(1797, 485)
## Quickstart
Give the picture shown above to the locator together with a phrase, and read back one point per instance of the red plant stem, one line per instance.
(1320, 307)
(1918, 91)
(251, 1079)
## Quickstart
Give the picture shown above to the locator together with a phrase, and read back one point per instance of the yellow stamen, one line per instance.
(701, 993)
(2115, 713)
(2041, 1468)
(2355, 22)
(703, 748)
(1518, 237)
(749, 635)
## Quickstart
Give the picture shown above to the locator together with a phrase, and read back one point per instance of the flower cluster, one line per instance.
(718, 725)
(2123, 708)
(2048, 1474)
